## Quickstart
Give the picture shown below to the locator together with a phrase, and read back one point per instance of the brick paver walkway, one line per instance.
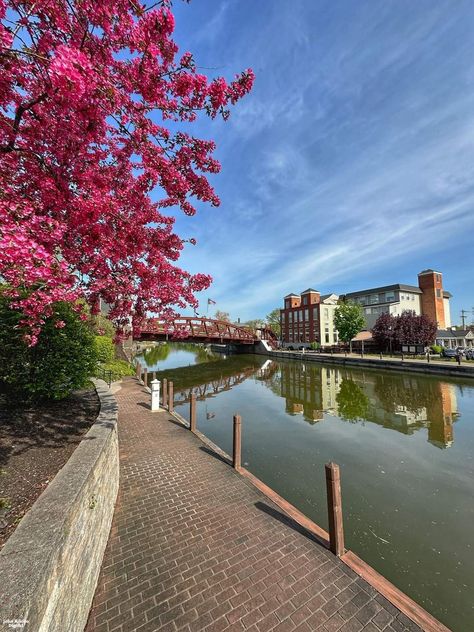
(195, 547)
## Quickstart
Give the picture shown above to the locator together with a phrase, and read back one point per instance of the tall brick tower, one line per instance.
(430, 283)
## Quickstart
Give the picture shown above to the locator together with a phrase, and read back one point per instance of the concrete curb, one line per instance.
(50, 565)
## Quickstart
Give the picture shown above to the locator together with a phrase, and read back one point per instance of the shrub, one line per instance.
(314, 346)
(118, 368)
(102, 326)
(436, 348)
(104, 348)
(62, 360)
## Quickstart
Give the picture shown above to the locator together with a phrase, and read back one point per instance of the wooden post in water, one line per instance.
(165, 393)
(237, 444)
(336, 529)
(138, 370)
(192, 412)
(145, 376)
(170, 396)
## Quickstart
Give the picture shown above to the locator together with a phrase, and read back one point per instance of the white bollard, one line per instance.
(155, 394)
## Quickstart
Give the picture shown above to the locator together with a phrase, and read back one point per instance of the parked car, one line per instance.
(449, 353)
(469, 353)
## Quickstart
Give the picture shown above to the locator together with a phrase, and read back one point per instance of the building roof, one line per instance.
(397, 286)
(428, 271)
(453, 333)
(447, 294)
(362, 336)
(324, 297)
(310, 289)
(289, 295)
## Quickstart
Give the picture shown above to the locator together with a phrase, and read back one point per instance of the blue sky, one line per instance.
(351, 163)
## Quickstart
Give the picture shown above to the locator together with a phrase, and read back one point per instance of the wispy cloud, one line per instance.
(352, 161)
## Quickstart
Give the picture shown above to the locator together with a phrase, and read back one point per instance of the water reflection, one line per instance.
(402, 403)
(155, 357)
(408, 509)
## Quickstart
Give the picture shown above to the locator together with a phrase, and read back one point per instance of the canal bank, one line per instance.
(434, 367)
(195, 547)
(404, 443)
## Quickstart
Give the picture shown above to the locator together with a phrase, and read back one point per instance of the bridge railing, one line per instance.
(186, 327)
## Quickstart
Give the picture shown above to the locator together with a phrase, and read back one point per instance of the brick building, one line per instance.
(428, 297)
(309, 317)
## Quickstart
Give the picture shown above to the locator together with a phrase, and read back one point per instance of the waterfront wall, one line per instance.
(50, 565)
(433, 368)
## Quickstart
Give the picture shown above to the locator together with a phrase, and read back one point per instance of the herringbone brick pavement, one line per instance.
(194, 547)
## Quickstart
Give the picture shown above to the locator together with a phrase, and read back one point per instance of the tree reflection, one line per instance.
(411, 393)
(156, 354)
(352, 402)
(160, 352)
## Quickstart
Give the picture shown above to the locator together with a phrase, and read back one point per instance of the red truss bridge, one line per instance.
(191, 329)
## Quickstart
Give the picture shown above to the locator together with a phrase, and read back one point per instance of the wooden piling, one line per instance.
(237, 443)
(336, 529)
(170, 397)
(145, 376)
(165, 393)
(192, 412)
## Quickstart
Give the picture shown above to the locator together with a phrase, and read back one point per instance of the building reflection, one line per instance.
(404, 403)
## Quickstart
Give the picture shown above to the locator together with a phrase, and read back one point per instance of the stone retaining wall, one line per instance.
(432, 368)
(50, 565)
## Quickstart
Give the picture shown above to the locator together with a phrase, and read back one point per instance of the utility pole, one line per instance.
(463, 318)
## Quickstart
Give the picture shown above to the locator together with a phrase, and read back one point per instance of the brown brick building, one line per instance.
(309, 317)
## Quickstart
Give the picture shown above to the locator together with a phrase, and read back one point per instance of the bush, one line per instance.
(104, 348)
(314, 346)
(118, 368)
(436, 348)
(62, 360)
(102, 326)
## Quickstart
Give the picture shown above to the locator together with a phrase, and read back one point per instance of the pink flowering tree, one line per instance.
(91, 96)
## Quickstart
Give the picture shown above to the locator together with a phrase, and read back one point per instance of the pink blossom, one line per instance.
(81, 150)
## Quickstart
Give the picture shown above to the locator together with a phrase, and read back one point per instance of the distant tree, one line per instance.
(253, 324)
(348, 320)
(222, 316)
(273, 321)
(383, 331)
(411, 329)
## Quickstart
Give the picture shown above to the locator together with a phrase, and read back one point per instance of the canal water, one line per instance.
(405, 446)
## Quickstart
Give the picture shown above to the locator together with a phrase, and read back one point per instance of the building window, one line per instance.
(305, 300)
(438, 293)
(327, 338)
(291, 317)
(287, 304)
(389, 296)
(315, 313)
(374, 298)
(306, 314)
(326, 313)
